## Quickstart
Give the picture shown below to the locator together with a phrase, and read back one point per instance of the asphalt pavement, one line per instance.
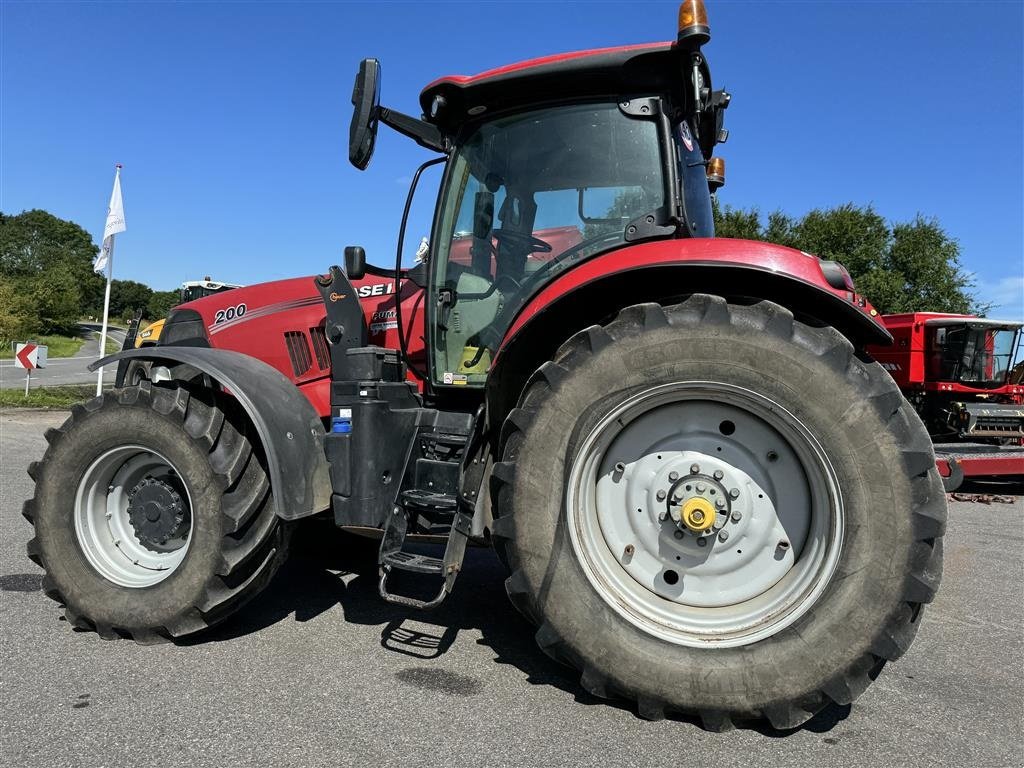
(318, 671)
(62, 371)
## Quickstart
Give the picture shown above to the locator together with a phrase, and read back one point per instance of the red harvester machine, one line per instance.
(961, 373)
(709, 500)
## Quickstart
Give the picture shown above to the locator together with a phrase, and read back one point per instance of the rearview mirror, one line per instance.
(362, 132)
(355, 262)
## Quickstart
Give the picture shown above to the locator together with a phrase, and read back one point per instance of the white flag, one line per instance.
(115, 224)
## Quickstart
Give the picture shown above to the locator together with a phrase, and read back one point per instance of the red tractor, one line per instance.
(958, 371)
(709, 498)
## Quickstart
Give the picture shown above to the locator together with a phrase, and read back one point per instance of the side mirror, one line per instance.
(355, 262)
(362, 132)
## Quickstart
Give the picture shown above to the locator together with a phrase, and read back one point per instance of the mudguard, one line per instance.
(289, 429)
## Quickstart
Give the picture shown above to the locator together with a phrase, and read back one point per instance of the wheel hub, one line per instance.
(704, 532)
(697, 514)
(704, 513)
(156, 511)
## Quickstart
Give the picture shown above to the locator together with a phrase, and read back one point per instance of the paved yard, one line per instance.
(318, 671)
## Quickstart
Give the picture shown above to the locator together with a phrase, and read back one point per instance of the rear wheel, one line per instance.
(717, 510)
(152, 512)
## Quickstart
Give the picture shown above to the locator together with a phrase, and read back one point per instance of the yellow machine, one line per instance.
(190, 291)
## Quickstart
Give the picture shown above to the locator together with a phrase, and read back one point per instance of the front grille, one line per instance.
(298, 351)
(320, 348)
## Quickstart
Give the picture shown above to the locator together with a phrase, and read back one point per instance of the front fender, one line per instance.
(289, 429)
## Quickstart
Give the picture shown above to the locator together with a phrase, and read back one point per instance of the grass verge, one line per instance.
(57, 346)
(47, 397)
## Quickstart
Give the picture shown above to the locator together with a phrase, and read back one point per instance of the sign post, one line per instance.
(28, 356)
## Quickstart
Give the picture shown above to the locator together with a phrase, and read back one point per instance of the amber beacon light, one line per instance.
(693, 24)
(716, 173)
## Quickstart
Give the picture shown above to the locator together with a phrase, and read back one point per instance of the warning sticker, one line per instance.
(378, 328)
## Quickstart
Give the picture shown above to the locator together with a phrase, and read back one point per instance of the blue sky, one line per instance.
(231, 119)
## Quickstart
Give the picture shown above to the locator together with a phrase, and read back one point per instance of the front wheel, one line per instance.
(153, 513)
(717, 510)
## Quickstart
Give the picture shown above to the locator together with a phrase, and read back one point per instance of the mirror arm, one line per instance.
(588, 219)
(424, 134)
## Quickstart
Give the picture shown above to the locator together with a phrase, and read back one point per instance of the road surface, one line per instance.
(61, 371)
(318, 671)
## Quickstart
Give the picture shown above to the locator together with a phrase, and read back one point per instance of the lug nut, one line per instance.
(734, 493)
(673, 476)
(723, 536)
(695, 469)
(737, 516)
(700, 488)
(718, 474)
(660, 495)
(720, 503)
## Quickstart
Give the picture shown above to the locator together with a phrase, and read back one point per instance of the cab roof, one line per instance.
(603, 72)
(934, 319)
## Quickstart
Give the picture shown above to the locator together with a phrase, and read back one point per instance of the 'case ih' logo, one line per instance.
(337, 296)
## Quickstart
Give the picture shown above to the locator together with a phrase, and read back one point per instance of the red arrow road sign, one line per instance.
(27, 356)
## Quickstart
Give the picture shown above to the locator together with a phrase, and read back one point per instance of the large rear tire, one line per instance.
(153, 513)
(716, 510)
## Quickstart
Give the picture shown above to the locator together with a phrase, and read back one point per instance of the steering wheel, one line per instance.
(528, 242)
(569, 254)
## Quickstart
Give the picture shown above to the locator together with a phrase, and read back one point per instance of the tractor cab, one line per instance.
(959, 372)
(974, 352)
(549, 163)
(531, 194)
(198, 289)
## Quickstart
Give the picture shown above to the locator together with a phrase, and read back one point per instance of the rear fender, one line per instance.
(665, 272)
(289, 429)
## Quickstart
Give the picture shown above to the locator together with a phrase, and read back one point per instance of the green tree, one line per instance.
(18, 318)
(737, 223)
(899, 267)
(34, 243)
(56, 299)
(160, 303)
(127, 297)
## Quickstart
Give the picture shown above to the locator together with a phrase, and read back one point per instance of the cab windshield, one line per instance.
(975, 356)
(527, 196)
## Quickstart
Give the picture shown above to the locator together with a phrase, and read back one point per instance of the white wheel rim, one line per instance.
(104, 529)
(781, 515)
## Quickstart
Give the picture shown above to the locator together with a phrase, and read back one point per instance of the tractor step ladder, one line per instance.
(393, 558)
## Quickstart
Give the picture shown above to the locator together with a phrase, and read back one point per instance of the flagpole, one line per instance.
(116, 209)
(106, 313)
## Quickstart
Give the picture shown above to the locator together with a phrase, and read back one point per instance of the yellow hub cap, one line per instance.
(698, 515)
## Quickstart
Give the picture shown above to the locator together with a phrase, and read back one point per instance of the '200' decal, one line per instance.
(229, 313)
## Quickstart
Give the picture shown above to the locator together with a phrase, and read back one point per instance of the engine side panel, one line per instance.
(282, 324)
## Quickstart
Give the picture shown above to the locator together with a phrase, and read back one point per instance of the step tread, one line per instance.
(407, 561)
